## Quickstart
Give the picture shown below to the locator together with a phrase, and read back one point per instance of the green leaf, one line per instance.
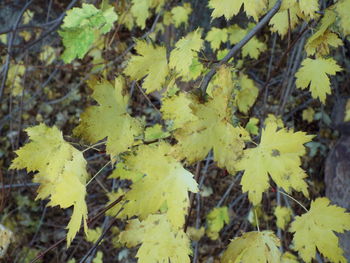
(81, 27)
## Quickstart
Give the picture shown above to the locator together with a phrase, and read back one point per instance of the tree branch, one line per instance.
(238, 46)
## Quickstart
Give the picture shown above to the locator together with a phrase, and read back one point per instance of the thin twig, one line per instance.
(238, 46)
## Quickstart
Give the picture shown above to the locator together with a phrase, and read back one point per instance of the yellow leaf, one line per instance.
(160, 241)
(180, 14)
(63, 177)
(152, 62)
(309, 7)
(165, 182)
(342, 8)
(253, 247)
(110, 119)
(228, 8)
(277, 155)
(93, 235)
(347, 111)
(283, 215)
(216, 36)
(6, 237)
(185, 50)
(194, 233)
(140, 11)
(177, 108)
(320, 41)
(98, 258)
(315, 229)
(314, 72)
(274, 119)
(216, 219)
(308, 114)
(289, 258)
(212, 129)
(286, 17)
(14, 79)
(253, 48)
(155, 133)
(246, 94)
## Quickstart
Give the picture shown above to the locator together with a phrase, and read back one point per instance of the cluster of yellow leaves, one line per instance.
(110, 118)
(160, 241)
(61, 172)
(314, 72)
(277, 155)
(207, 126)
(315, 229)
(229, 9)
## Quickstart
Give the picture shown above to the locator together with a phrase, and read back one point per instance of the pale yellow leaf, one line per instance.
(277, 155)
(314, 72)
(185, 50)
(216, 36)
(61, 178)
(110, 118)
(342, 8)
(253, 247)
(315, 229)
(165, 182)
(151, 61)
(160, 241)
(283, 215)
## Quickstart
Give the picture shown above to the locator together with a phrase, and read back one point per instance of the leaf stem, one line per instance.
(295, 200)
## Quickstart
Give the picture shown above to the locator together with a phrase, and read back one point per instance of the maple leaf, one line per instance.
(283, 216)
(253, 247)
(110, 119)
(323, 38)
(140, 11)
(152, 62)
(246, 93)
(228, 8)
(253, 48)
(160, 241)
(185, 50)
(216, 36)
(286, 17)
(277, 155)
(211, 129)
(315, 229)
(342, 8)
(165, 182)
(216, 219)
(309, 7)
(180, 14)
(178, 108)
(61, 178)
(314, 72)
(81, 27)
